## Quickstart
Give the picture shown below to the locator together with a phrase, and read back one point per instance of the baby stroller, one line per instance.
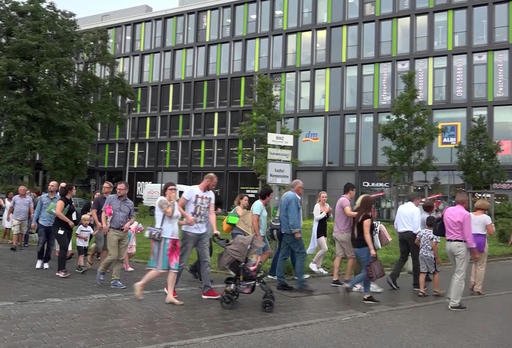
(246, 275)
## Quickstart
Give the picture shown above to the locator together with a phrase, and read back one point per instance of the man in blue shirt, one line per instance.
(290, 216)
(43, 220)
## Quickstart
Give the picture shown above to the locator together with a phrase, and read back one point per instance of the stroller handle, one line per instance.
(222, 242)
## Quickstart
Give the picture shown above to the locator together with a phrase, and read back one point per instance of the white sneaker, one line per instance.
(272, 277)
(39, 264)
(46, 265)
(375, 288)
(306, 276)
(357, 288)
(313, 267)
(323, 271)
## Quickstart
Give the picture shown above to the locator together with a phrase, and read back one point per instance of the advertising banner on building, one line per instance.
(450, 134)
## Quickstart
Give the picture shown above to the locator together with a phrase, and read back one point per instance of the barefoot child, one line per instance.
(429, 258)
(83, 233)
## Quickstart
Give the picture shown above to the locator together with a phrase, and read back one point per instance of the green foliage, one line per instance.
(143, 212)
(503, 229)
(50, 108)
(478, 159)
(503, 210)
(253, 132)
(410, 131)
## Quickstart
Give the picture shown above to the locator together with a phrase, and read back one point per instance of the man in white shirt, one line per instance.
(407, 225)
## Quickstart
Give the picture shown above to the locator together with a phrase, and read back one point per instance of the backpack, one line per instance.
(439, 228)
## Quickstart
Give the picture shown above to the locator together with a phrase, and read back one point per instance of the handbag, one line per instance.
(226, 228)
(232, 218)
(384, 237)
(374, 269)
(376, 240)
(439, 228)
(155, 233)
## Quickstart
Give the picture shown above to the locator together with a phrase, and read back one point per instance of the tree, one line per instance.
(264, 119)
(410, 131)
(478, 159)
(57, 84)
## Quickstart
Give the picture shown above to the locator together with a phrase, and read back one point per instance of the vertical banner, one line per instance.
(385, 84)
(421, 66)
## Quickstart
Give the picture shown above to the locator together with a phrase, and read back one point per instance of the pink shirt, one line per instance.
(457, 222)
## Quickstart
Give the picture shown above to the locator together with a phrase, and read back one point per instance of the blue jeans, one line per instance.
(291, 245)
(363, 257)
(275, 257)
(45, 242)
(200, 241)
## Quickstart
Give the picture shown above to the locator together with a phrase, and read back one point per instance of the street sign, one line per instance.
(279, 172)
(279, 139)
(279, 154)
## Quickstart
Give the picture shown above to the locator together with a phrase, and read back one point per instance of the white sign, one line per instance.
(280, 139)
(279, 173)
(279, 154)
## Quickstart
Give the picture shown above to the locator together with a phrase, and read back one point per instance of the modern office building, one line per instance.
(336, 65)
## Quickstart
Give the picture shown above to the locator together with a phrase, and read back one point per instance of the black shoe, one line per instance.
(305, 289)
(195, 273)
(459, 307)
(285, 287)
(13, 248)
(392, 283)
(336, 282)
(370, 299)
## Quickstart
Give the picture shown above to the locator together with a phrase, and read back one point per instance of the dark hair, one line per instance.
(428, 206)
(123, 183)
(166, 186)
(265, 192)
(348, 187)
(413, 196)
(430, 221)
(64, 190)
(239, 198)
(365, 207)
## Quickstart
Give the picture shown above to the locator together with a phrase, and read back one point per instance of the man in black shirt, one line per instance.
(99, 234)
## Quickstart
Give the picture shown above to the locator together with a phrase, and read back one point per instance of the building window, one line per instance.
(291, 49)
(459, 28)
(404, 32)
(381, 142)
(305, 51)
(239, 20)
(367, 92)
(184, 151)
(421, 43)
(180, 29)
(278, 14)
(202, 24)
(500, 29)
(289, 104)
(148, 27)
(320, 46)
(440, 30)
(137, 37)
(501, 74)
(157, 35)
(164, 98)
(156, 67)
(223, 93)
(456, 119)
(386, 6)
(402, 67)
(236, 86)
(333, 141)
(201, 56)
(127, 38)
(403, 5)
(369, 40)
(352, 9)
(320, 90)
(214, 24)
(198, 125)
(421, 3)
(250, 51)
(264, 16)
(349, 148)
(198, 95)
(480, 25)
(385, 37)
(212, 60)
(502, 131)
(480, 75)
(224, 54)
(164, 127)
(277, 51)
(321, 11)
(366, 140)
(307, 12)
(153, 106)
(459, 78)
(263, 58)
(440, 64)
(421, 68)
(178, 58)
(187, 96)
(168, 31)
(176, 96)
(146, 62)
(335, 45)
(352, 42)
(191, 28)
(135, 70)
(311, 141)
(304, 90)
(226, 22)
(293, 9)
(369, 7)
(189, 62)
(221, 123)
(237, 56)
(350, 87)
(335, 89)
(252, 19)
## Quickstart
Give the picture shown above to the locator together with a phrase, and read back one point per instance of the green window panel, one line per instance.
(142, 36)
(215, 124)
(377, 7)
(431, 3)
(135, 157)
(139, 97)
(105, 159)
(205, 90)
(180, 130)
(257, 55)
(183, 63)
(246, 15)
(329, 10)
(242, 91)
(240, 149)
(285, 15)
(168, 154)
(117, 132)
(148, 125)
(327, 87)
(344, 44)
(430, 89)
(208, 20)
(171, 88)
(450, 30)
(282, 93)
(201, 159)
(394, 38)
(490, 76)
(298, 43)
(376, 74)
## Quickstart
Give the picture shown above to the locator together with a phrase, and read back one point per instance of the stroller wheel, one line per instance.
(267, 305)
(227, 301)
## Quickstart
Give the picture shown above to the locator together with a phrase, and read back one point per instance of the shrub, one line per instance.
(142, 211)
(503, 229)
(503, 210)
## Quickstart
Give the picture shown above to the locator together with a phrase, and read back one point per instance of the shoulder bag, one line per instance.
(374, 269)
(155, 233)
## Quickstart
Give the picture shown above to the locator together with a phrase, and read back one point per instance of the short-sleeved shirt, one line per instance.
(479, 223)
(198, 206)
(83, 231)
(426, 238)
(357, 237)
(342, 222)
(258, 208)
(98, 204)
(122, 211)
(21, 207)
(169, 224)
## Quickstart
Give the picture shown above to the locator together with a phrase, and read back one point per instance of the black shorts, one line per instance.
(81, 250)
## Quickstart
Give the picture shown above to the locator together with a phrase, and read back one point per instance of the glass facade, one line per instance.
(336, 67)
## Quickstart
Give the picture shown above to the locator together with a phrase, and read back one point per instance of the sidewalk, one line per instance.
(40, 310)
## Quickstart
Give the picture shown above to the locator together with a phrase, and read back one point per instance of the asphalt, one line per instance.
(37, 309)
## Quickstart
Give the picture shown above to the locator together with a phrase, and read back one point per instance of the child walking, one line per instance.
(83, 233)
(429, 258)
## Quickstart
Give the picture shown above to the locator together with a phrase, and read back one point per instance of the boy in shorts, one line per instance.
(429, 258)
(83, 233)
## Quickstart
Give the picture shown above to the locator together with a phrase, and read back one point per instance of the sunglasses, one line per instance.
(171, 189)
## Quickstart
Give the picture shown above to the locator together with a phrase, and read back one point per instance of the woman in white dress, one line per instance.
(7, 224)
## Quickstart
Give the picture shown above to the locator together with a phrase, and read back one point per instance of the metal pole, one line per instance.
(129, 135)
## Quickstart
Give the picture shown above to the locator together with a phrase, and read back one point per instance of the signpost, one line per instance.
(279, 154)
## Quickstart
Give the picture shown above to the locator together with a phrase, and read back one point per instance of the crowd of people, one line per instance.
(188, 222)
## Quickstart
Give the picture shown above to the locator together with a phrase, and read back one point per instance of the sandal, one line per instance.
(422, 293)
(438, 293)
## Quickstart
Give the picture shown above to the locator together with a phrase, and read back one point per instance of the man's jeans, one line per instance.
(117, 242)
(363, 257)
(289, 245)
(46, 240)
(201, 242)
(407, 246)
(459, 257)
(277, 252)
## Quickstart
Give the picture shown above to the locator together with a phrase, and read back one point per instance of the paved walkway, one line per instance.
(37, 309)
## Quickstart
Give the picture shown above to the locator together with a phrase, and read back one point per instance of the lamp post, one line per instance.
(129, 104)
